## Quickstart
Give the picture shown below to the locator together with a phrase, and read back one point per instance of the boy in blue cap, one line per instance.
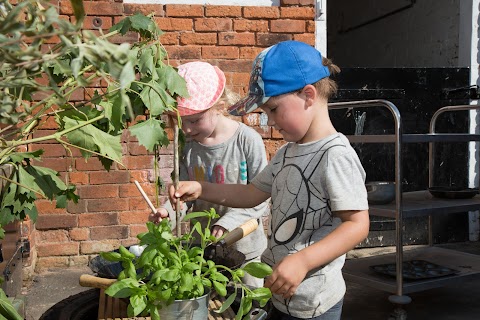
(315, 181)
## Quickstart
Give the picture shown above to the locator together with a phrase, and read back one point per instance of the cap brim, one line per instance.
(246, 105)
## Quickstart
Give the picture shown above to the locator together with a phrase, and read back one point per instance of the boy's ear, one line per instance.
(310, 93)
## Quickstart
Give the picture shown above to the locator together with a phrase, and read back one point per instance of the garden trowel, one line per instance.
(218, 248)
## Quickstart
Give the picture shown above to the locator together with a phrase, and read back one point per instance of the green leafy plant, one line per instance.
(44, 61)
(7, 310)
(37, 83)
(176, 268)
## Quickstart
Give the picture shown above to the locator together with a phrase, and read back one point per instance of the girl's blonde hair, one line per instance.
(228, 98)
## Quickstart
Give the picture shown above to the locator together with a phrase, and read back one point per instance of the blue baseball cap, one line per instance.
(285, 67)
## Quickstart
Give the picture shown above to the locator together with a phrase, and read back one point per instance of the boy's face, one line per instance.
(288, 114)
(200, 126)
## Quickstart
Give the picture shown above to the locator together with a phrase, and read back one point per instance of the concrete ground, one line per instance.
(48, 288)
(454, 302)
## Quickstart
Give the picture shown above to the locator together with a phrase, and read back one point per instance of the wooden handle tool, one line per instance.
(144, 195)
(87, 280)
(230, 238)
(239, 232)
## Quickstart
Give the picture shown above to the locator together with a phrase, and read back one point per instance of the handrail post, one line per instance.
(431, 151)
(399, 298)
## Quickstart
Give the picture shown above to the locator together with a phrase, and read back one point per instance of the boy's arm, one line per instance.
(229, 195)
(290, 272)
(353, 229)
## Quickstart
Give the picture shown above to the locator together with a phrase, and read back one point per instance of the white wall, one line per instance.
(425, 35)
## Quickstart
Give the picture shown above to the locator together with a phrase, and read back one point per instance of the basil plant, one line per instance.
(176, 268)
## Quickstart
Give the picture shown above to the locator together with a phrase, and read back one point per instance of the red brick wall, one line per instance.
(111, 211)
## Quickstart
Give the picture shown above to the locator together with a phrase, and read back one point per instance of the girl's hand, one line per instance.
(186, 191)
(158, 216)
(287, 276)
(218, 231)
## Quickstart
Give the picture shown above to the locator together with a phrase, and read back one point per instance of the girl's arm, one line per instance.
(230, 195)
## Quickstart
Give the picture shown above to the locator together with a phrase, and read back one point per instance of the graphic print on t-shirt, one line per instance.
(219, 173)
(300, 204)
(306, 182)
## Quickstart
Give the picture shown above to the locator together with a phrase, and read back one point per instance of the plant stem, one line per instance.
(6, 128)
(176, 176)
(4, 152)
(54, 136)
(21, 185)
(91, 151)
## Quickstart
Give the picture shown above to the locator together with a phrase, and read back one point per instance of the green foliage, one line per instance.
(175, 268)
(37, 81)
(7, 310)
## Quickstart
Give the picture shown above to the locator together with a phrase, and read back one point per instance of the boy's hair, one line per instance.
(327, 87)
(283, 68)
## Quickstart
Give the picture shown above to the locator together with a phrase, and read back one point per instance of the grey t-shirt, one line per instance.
(236, 160)
(307, 183)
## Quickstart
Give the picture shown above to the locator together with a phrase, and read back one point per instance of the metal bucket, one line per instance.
(193, 309)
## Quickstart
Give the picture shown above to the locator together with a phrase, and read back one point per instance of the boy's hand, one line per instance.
(156, 217)
(218, 231)
(187, 191)
(287, 276)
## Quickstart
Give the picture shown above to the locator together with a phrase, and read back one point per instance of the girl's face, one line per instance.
(288, 114)
(200, 126)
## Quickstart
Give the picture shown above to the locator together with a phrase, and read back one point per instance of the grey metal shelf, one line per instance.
(422, 203)
(412, 204)
(416, 138)
(467, 265)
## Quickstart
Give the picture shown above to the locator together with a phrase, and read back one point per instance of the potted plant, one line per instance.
(36, 85)
(175, 268)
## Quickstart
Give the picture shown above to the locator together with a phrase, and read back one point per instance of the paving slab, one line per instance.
(51, 287)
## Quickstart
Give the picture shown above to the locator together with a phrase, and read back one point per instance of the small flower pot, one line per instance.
(194, 309)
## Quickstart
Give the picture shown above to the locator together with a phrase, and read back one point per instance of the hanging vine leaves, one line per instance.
(78, 10)
(36, 85)
(151, 133)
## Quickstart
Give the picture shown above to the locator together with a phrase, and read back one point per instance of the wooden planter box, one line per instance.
(116, 309)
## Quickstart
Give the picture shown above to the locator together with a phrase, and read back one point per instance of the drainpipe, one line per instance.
(473, 216)
(321, 26)
(468, 53)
